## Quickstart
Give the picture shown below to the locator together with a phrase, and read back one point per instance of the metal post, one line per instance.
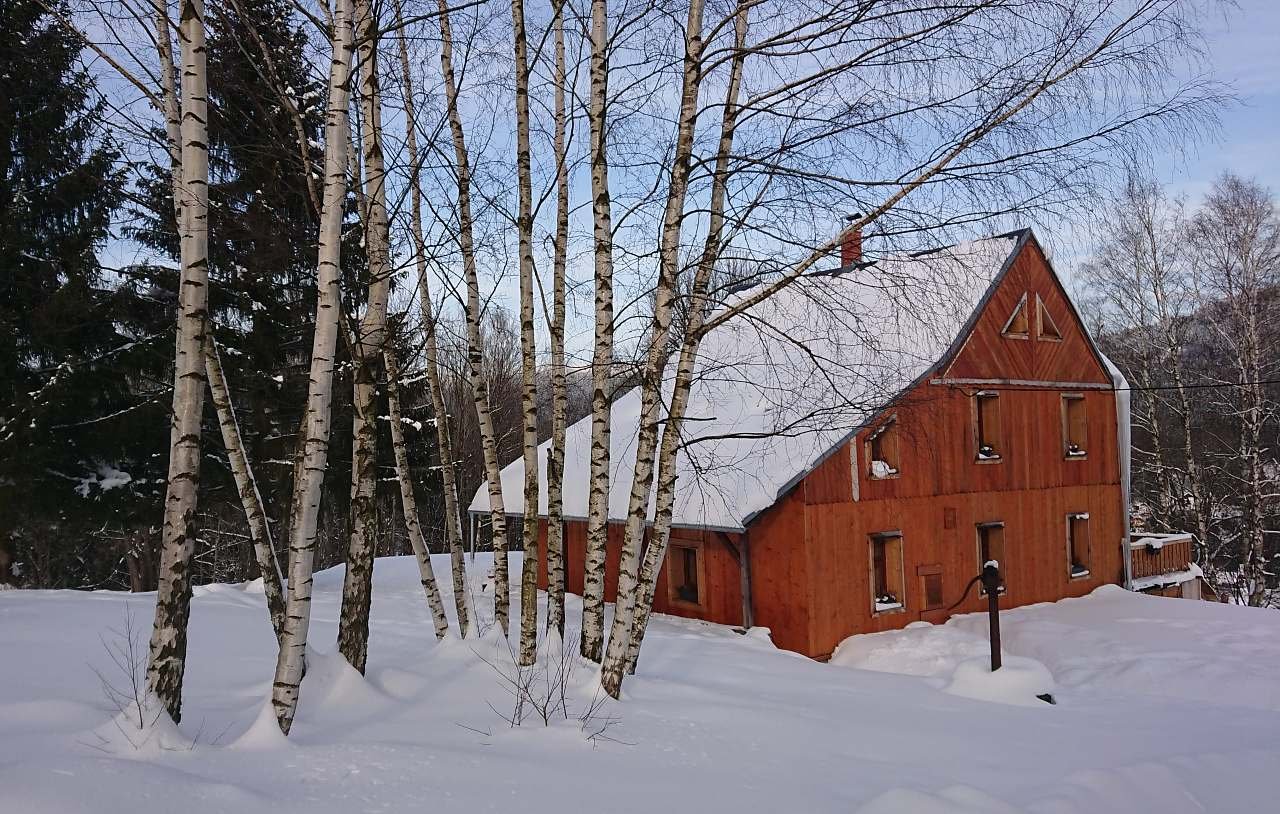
(991, 583)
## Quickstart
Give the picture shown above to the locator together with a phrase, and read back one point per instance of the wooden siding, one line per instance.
(721, 595)
(988, 355)
(1035, 563)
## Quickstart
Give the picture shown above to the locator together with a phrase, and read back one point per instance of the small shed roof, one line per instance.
(783, 384)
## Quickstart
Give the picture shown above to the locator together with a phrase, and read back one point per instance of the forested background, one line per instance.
(1183, 295)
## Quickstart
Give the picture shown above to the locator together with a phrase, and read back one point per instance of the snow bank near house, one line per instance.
(1018, 681)
(1164, 705)
(1113, 641)
(955, 661)
(921, 649)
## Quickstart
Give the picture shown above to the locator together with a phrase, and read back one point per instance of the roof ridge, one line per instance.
(1013, 234)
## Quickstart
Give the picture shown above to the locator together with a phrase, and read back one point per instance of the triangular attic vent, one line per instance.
(1046, 328)
(1017, 325)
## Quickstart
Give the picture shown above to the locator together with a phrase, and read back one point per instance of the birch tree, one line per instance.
(444, 447)
(409, 503)
(168, 648)
(1237, 254)
(357, 586)
(559, 398)
(247, 487)
(632, 633)
(528, 352)
(1140, 277)
(305, 508)
(592, 643)
(655, 362)
(475, 351)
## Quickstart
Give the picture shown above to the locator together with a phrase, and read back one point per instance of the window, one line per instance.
(1078, 545)
(1075, 426)
(931, 586)
(986, 412)
(1046, 328)
(991, 548)
(886, 572)
(684, 563)
(882, 451)
(1017, 326)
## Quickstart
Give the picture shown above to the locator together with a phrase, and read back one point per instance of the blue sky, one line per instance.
(1244, 50)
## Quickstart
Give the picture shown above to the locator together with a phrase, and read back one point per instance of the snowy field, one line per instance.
(1163, 705)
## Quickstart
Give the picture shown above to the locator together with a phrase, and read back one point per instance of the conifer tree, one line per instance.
(66, 334)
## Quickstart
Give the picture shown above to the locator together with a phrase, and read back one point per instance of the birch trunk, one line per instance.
(452, 520)
(264, 550)
(1255, 562)
(602, 353)
(475, 355)
(559, 397)
(615, 662)
(528, 360)
(409, 503)
(1195, 475)
(664, 499)
(315, 453)
(168, 647)
(357, 585)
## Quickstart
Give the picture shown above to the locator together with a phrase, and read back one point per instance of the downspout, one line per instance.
(1124, 437)
(744, 574)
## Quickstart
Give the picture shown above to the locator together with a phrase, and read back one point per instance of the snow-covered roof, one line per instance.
(784, 384)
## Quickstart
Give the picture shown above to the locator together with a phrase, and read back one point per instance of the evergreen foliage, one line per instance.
(71, 329)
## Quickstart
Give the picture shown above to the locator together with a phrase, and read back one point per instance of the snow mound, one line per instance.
(264, 732)
(1018, 681)
(920, 649)
(141, 728)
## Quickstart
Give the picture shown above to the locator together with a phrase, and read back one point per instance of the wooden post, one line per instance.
(744, 574)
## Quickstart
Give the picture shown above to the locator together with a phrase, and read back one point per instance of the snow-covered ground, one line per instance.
(1162, 705)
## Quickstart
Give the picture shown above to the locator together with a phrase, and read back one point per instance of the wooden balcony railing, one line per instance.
(1156, 554)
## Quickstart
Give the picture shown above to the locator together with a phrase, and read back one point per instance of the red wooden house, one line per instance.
(862, 442)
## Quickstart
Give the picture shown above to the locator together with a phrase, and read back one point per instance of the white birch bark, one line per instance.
(664, 498)
(559, 398)
(242, 472)
(168, 647)
(528, 359)
(315, 453)
(615, 662)
(409, 503)
(602, 353)
(475, 354)
(357, 585)
(449, 485)
(247, 487)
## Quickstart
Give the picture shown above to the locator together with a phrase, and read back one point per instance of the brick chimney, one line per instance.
(851, 246)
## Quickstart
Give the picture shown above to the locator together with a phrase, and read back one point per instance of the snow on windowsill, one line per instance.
(988, 456)
(882, 469)
(887, 607)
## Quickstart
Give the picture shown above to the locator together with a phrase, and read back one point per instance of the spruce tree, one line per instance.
(70, 329)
